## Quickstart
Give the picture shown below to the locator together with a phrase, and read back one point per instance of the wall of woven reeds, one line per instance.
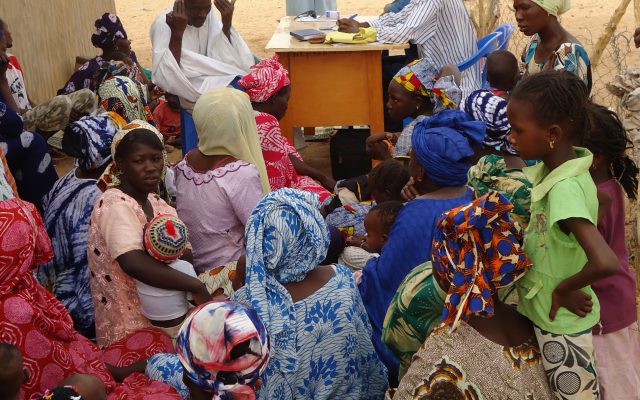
(47, 37)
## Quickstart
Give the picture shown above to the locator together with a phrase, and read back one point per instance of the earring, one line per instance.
(552, 144)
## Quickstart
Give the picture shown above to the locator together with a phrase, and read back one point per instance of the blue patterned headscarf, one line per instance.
(108, 29)
(443, 143)
(482, 105)
(10, 122)
(286, 239)
(89, 141)
(205, 342)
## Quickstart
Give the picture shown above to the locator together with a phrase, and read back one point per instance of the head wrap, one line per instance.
(265, 79)
(11, 124)
(205, 342)
(166, 237)
(124, 96)
(482, 105)
(61, 393)
(554, 7)
(443, 143)
(110, 177)
(477, 249)
(108, 29)
(226, 125)
(89, 140)
(53, 115)
(286, 239)
(423, 77)
(112, 68)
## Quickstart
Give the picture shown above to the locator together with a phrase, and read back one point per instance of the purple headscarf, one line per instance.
(108, 29)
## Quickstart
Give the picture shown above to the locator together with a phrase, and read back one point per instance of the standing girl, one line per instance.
(616, 336)
(548, 114)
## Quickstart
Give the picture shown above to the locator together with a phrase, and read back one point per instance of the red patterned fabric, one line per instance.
(276, 150)
(35, 321)
(265, 79)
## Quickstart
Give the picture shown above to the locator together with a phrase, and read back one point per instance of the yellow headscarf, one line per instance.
(226, 125)
(554, 7)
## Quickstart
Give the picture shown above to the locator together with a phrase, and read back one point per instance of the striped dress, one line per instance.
(442, 30)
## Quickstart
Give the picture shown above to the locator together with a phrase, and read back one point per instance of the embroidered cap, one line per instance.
(166, 237)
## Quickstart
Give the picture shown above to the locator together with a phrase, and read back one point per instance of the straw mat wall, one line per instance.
(47, 37)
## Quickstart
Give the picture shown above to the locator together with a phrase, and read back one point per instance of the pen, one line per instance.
(353, 16)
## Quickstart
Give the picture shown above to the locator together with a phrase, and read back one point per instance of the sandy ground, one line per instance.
(257, 19)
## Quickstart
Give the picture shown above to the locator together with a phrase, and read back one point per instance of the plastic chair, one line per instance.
(486, 46)
(506, 30)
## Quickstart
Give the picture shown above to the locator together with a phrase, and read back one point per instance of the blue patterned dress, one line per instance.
(336, 359)
(67, 212)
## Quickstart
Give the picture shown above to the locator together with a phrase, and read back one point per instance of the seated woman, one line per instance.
(220, 182)
(116, 251)
(67, 211)
(41, 328)
(551, 46)
(321, 339)
(268, 87)
(27, 157)
(110, 37)
(442, 146)
(491, 350)
(417, 91)
(123, 96)
(228, 371)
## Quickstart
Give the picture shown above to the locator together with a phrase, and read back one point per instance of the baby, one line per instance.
(12, 374)
(165, 239)
(502, 72)
(377, 224)
(78, 387)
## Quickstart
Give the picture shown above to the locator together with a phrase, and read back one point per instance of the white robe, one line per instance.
(208, 60)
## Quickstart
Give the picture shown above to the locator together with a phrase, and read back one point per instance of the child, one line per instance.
(548, 113)
(165, 239)
(383, 183)
(616, 336)
(377, 223)
(78, 387)
(502, 73)
(12, 374)
(167, 117)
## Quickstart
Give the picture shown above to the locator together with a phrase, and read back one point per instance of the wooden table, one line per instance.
(331, 85)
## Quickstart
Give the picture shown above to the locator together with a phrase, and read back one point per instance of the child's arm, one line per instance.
(602, 262)
(141, 266)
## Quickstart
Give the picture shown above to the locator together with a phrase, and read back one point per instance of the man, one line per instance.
(194, 51)
(441, 29)
(14, 74)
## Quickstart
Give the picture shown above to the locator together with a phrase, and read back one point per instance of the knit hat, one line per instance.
(166, 237)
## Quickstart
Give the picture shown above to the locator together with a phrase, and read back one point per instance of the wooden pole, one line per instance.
(609, 30)
(636, 11)
(481, 18)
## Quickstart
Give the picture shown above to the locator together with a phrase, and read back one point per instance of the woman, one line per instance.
(110, 37)
(40, 326)
(442, 146)
(67, 211)
(125, 97)
(116, 251)
(236, 353)
(551, 46)
(477, 250)
(219, 183)
(27, 156)
(321, 340)
(417, 91)
(268, 87)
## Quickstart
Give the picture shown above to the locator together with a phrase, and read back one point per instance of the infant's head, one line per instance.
(378, 224)
(166, 238)
(78, 387)
(12, 373)
(502, 70)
